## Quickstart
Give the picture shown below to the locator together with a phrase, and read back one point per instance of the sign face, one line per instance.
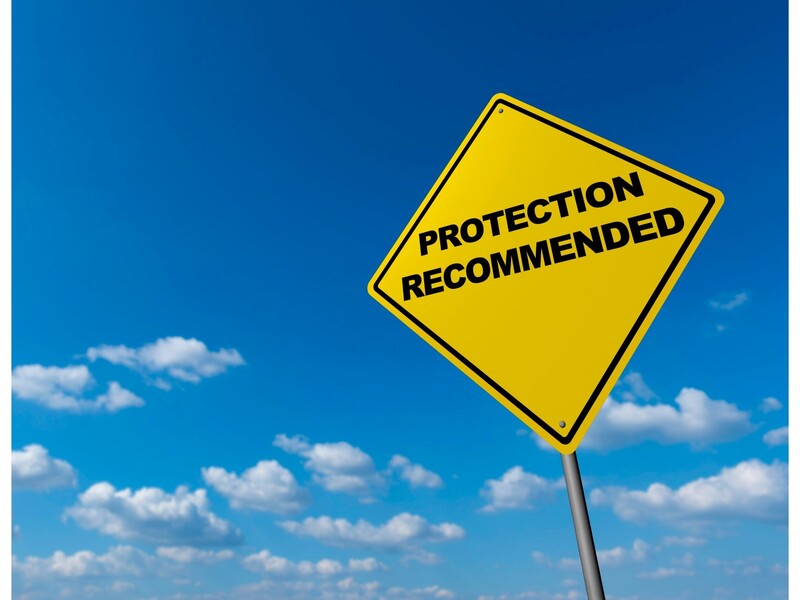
(539, 259)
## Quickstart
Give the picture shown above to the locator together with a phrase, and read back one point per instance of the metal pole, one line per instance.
(583, 529)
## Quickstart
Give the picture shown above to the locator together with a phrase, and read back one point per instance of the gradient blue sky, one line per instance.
(235, 172)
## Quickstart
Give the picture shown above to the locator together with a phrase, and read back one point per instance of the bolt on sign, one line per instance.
(540, 258)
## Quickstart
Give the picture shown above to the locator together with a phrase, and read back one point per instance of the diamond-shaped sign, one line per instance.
(540, 258)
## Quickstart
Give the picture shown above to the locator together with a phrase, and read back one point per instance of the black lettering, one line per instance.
(515, 217)
(478, 230)
(561, 200)
(411, 283)
(453, 284)
(591, 194)
(583, 241)
(638, 225)
(504, 267)
(485, 270)
(608, 235)
(533, 257)
(448, 233)
(558, 246)
(494, 221)
(431, 278)
(661, 222)
(532, 217)
(426, 238)
(579, 202)
(634, 187)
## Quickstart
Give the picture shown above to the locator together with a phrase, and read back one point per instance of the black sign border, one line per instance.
(564, 439)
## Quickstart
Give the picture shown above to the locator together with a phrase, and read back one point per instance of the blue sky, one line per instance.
(206, 400)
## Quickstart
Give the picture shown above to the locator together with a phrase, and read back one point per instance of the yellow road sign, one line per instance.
(540, 258)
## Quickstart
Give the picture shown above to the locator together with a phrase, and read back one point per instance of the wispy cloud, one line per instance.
(752, 565)
(565, 564)
(415, 474)
(632, 388)
(729, 301)
(770, 404)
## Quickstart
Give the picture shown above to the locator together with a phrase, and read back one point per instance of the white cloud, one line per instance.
(770, 404)
(36, 382)
(118, 561)
(337, 467)
(184, 359)
(365, 565)
(612, 557)
(189, 555)
(687, 560)
(32, 468)
(416, 475)
(518, 489)
(665, 572)
(697, 420)
(541, 595)
(268, 563)
(779, 569)
(62, 388)
(618, 556)
(777, 437)
(749, 490)
(752, 565)
(402, 532)
(117, 398)
(431, 591)
(686, 541)
(423, 557)
(729, 302)
(632, 387)
(565, 564)
(330, 589)
(152, 515)
(267, 486)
